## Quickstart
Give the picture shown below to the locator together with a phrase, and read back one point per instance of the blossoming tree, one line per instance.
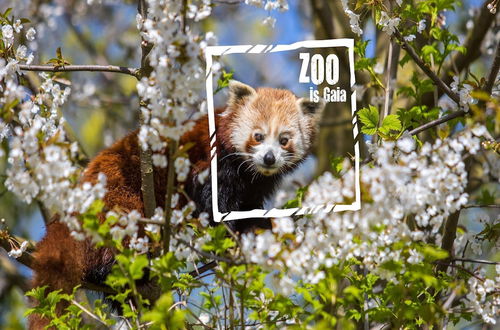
(421, 252)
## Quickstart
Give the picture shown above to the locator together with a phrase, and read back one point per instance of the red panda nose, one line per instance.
(269, 158)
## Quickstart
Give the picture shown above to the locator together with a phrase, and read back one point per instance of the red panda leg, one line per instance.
(59, 263)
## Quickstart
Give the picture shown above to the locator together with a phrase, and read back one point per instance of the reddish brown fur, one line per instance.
(61, 262)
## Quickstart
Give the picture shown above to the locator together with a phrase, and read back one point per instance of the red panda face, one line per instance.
(271, 129)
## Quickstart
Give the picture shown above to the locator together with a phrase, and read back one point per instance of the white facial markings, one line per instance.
(270, 136)
(242, 130)
(271, 146)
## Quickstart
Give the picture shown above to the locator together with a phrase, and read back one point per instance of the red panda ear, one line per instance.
(310, 108)
(238, 92)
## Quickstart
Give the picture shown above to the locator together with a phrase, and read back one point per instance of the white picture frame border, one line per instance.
(259, 49)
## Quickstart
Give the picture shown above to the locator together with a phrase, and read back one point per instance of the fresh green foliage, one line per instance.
(161, 288)
(370, 118)
(391, 125)
(223, 81)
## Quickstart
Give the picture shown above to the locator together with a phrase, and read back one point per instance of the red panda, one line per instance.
(261, 135)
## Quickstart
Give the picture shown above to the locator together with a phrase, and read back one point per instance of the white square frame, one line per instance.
(260, 49)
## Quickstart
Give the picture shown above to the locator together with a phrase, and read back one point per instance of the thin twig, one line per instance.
(440, 263)
(86, 311)
(89, 68)
(477, 261)
(481, 206)
(450, 299)
(87, 44)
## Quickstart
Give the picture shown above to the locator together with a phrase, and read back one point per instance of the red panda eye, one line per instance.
(258, 137)
(283, 141)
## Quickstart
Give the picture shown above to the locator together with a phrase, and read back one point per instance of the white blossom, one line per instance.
(378, 68)
(410, 37)
(140, 244)
(30, 34)
(18, 26)
(388, 24)
(182, 168)
(421, 26)
(160, 160)
(270, 21)
(415, 257)
(406, 143)
(426, 184)
(204, 318)
(464, 93)
(283, 226)
(8, 35)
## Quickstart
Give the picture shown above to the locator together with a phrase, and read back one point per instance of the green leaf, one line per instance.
(406, 58)
(223, 81)
(434, 253)
(164, 316)
(369, 117)
(390, 123)
(7, 12)
(352, 292)
(336, 164)
(137, 267)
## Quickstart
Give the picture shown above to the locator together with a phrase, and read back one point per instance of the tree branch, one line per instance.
(449, 235)
(90, 68)
(478, 261)
(481, 206)
(87, 44)
(487, 88)
(494, 72)
(202, 269)
(147, 171)
(460, 61)
(472, 44)
(438, 121)
(413, 54)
